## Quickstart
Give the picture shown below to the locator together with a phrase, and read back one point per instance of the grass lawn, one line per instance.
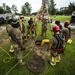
(65, 67)
(61, 18)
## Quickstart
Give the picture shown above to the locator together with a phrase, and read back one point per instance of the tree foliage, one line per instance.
(8, 9)
(66, 10)
(26, 9)
(14, 8)
(5, 9)
(51, 6)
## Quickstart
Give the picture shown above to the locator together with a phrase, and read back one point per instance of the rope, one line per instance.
(6, 59)
(33, 45)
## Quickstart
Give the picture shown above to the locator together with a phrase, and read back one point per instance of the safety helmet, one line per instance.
(21, 17)
(15, 23)
(31, 18)
(66, 22)
(56, 28)
(57, 22)
(15, 18)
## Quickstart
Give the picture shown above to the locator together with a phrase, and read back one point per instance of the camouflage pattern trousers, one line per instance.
(18, 53)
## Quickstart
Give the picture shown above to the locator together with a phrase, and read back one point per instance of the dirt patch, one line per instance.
(3, 36)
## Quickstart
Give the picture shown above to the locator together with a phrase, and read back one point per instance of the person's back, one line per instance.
(15, 34)
(66, 31)
(8, 28)
(57, 42)
(56, 45)
(30, 22)
(17, 43)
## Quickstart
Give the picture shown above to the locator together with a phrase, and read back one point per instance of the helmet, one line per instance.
(56, 28)
(31, 18)
(57, 22)
(15, 18)
(67, 23)
(15, 22)
(21, 17)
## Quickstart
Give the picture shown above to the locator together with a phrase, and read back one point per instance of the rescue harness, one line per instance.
(59, 46)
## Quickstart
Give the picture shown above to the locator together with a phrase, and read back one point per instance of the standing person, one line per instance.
(44, 27)
(66, 31)
(35, 25)
(56, 45)
(57, 22)
(16, 37)
(8, 28)
(30, 27)
(22, 28)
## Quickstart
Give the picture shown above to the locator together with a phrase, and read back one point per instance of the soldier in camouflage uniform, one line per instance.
(8, 28)
(35, 25)
(30, 27)
(22, 28)
(66, 31)
(56, 46)
(16, 37)
(44, 26)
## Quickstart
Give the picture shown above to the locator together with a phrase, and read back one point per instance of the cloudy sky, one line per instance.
(34, 3)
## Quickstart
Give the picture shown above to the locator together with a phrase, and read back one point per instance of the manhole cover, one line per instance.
(36, 64)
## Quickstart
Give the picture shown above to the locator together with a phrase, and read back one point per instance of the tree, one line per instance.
(71, 7)
(1, 10)
(51, 6)
(4, 6)
(8, 9)
(14, 8)
(26, 9)
(23, 11)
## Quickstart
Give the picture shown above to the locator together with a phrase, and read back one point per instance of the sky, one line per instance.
(35, 4)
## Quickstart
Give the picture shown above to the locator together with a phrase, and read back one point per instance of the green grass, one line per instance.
(61, 18)
(65, 67)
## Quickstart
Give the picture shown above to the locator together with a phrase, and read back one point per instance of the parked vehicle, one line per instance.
(72, 25)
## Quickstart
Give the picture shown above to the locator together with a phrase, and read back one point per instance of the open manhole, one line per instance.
(36, 64)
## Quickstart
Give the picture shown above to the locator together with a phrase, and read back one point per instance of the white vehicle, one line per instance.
(72, 25)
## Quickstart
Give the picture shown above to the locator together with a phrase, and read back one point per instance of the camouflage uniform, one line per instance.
(8, 28)
(30, 27)
(66, 33)
(44, 27)
(22, 28)
(55, 51)
(35, 25)
(53, 42)
(15, 34)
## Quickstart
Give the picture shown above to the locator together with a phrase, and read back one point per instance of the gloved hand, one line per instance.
(22, 49)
